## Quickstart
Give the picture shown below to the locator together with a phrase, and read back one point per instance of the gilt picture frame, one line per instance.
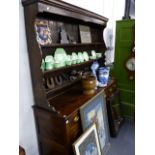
(88, 142)
(94, 111)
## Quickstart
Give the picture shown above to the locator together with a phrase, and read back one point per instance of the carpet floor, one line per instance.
(124, 143)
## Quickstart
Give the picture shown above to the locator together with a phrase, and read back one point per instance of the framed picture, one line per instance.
(94, 111)
(43, 34)
(88, 143)
(85, 34)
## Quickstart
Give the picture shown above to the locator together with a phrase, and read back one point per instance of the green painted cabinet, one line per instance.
(123, 46)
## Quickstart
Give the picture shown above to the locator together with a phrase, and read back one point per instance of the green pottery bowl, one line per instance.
(92, 57)
(73, 62)
(49, 66)
(57, 65)
(78, 61)
(68, 63)
(98, 55)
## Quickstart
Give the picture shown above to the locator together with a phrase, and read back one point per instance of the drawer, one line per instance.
(110, 89)
(75, 125)
(74, 121)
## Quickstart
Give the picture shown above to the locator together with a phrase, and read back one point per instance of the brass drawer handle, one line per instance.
(76, 119)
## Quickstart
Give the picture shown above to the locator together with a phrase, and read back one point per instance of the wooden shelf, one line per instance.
(58, 70)
(69, 83)
(70, 45)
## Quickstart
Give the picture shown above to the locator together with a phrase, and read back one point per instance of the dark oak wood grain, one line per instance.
(56, 110)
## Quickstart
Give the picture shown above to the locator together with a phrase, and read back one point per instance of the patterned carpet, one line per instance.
(124, 143)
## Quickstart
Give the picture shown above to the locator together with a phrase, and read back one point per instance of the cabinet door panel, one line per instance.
(123, 46)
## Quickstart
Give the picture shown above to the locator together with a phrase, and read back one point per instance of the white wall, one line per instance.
(27, 137)
(27, 133)
(94, 6)
(113, 10)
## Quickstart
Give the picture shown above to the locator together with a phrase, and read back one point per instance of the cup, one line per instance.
(49, 66)
(49, 58)
(98, 55)
(74, 58)
(60, 54)
(78, 61)
(85, 56)
(68, 62)
(80, 57)
(93, 53)
(49, 61)
(57, 65)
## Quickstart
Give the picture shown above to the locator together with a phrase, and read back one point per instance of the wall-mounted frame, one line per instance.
(43, 34)
(88, 143)
(95, 111)
(85, 34)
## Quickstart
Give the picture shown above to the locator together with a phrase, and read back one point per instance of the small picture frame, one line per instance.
(88, 143)
(43, 34)
(85, 34)
(94, 111)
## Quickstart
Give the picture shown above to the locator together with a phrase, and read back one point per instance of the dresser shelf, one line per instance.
(72, 44)
(67, 84)
(67, 68)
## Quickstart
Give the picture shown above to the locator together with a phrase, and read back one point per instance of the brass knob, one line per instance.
(76, 118)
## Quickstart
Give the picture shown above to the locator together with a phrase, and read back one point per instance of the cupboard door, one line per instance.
(123, 47)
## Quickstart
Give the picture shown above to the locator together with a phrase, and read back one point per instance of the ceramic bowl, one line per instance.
(73, 62)
(60, 55)
(68, 62)
(93, 53)
(68, 58)
(74, 56)
(49, 58)
(98, 55)
(82, 60)
(80, 56)
(92, 57)
(57, 65)
(85, 56)
(78, 61)
(49, 66)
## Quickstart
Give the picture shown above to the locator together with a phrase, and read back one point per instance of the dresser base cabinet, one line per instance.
(56, 134)
(58, 131)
